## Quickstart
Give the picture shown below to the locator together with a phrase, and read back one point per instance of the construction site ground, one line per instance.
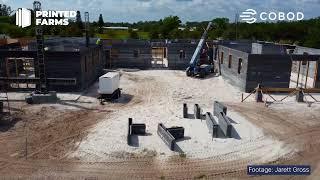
(78, 138)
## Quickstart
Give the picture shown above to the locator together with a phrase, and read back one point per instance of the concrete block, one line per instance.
(225, 124)
(129, 142)
(300, 96)
(212, 125)
(197, 111)
(129, 131)
(167, 138)
(35, 98)
(219, 107)
(176, 132)
(138, 129)
(185, 111)
(130, 121)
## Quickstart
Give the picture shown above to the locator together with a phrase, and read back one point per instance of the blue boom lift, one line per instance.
(200, 63)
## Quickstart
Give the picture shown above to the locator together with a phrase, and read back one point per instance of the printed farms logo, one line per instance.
(46, 18)
(23, 17)
(251, 16)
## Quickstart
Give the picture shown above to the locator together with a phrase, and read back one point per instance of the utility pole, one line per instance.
(86, 19)
(236, 21)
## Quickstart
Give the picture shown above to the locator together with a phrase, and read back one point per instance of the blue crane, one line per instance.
(196, 67)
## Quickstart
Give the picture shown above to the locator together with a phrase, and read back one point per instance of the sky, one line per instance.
(187, 10)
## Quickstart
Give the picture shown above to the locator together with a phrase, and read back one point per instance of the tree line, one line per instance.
(305, 33)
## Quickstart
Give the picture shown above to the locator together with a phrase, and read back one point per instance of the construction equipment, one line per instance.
(199, 64)
(40, 53)
(109, 86)
(41, 95)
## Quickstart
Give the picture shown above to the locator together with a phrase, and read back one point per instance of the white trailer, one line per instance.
(109, 86)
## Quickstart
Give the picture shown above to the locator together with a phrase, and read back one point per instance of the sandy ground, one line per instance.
(78, 138)
(160, 101)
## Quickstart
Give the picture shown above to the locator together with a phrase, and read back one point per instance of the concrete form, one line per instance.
(134, 129)
(197, 111)
(212, 125)
(170, 135)
(185, 111)
(225, 125)
(219, 107)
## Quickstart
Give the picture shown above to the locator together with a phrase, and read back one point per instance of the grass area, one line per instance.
(121, 34)
(143, 35)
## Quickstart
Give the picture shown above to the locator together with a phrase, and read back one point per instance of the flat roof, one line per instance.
(110, 75)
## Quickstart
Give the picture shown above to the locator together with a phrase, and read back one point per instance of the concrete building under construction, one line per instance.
(143, 54)
(70, 65)
(247, 64)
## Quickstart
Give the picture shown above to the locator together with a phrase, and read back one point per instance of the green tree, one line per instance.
(220, 25)
(169, 24)
(79, 20)
(133, 34)
(5, 10)
(154, 34)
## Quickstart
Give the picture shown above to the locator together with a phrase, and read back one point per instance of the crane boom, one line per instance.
(200, 45)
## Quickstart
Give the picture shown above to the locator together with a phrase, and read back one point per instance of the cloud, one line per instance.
(187, 10)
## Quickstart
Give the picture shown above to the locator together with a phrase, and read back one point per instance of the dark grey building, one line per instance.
(142, 54)
(247, 64)
(127, 54)
(70, 65)
(180, 53)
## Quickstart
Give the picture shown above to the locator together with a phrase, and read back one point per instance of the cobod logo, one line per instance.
(250, 16)
(47, 18)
